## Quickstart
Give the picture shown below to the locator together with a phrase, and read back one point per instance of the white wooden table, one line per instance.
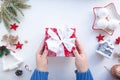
(53, 13)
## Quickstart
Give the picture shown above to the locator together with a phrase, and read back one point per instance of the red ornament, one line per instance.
(14, 26)
(18, 45)
(117, 41)
(100, 37)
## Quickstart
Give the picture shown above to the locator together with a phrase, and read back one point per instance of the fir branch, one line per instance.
(5, 19)
(6, 16)
(17, 1)
(4, 51)
(0, 17)
(22, 5)
(13, 17)
(12, 10)
(1, 53)
(17, 9)
(6, 23)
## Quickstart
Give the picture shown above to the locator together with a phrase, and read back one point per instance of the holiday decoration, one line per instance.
(106, 18)
(18, 45)
(10, 11)
(60, 41)
(27, 68)
(4, 51)
(14, 26)
(117, 41)
(11, 61)
(105, 48)
(100, 37)
(19, 72)
(26, 41)
(115, 71)
(9, 39)
(117, 55)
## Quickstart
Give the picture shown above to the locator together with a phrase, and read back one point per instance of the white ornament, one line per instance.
(102, 23)
(113, 24)
(102, 13)
(11, 61)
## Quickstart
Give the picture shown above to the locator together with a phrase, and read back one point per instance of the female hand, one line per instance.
(80, 57)
(41, 58)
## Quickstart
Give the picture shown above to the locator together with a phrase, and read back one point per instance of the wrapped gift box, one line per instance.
(60, 41)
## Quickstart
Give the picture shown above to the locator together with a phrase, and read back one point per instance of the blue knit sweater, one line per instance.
(39, 75)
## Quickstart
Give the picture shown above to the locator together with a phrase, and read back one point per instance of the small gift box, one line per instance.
(60, 41)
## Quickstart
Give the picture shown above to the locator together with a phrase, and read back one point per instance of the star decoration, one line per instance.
(103, 21)
(18, 45)
(117, 41)
(13, 26)
(100, 37)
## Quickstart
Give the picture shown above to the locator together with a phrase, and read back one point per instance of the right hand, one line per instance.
(80, 57)
(41, 58)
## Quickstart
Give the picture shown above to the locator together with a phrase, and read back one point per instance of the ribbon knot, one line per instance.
(57, 42)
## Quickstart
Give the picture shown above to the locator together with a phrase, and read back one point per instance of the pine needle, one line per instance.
(12, 10)
(13, 17)
(0, 17)
(6, 23)
(22, 5)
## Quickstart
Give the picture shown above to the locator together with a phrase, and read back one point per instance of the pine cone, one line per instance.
(115, 71)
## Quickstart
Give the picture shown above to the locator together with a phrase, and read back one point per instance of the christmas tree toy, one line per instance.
(10, 59)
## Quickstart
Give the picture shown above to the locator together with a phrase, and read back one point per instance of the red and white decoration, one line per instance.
(18, 45)
(11, 61)
(60, 41)
(117, 41)
(106, 18)
(14, 26)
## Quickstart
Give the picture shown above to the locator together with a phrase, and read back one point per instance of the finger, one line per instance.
(38, 56)
(79, 46)
(76, 53)
(45, 53)
(40, 49)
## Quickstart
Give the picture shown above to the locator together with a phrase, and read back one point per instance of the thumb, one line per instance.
(45, 53)
(75, 52)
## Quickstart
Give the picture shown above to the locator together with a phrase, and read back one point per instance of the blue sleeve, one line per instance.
(83, 75)
(39, 75)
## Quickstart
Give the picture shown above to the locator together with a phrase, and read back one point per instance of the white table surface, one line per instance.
(53, 13)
